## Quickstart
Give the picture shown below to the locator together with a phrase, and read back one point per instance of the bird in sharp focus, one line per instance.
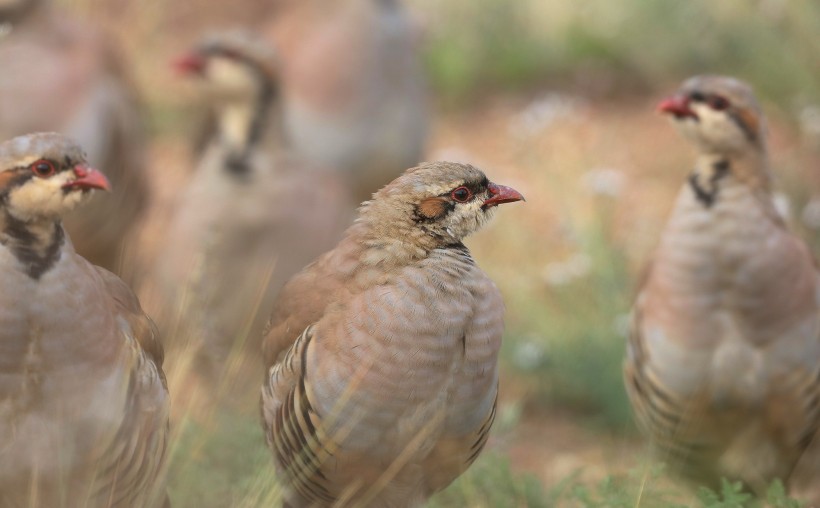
(382, 355)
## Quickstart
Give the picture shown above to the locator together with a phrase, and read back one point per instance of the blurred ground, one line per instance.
(599, 177)
(558, 102)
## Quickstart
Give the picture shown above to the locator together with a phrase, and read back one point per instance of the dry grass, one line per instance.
(594, 189)
(599, 176)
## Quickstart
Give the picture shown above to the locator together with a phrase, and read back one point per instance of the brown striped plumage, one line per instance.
(63, 74)
(382, 354)
(83, 399)
(723, 362)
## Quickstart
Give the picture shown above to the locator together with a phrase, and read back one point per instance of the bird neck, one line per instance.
(36, 244)
(713, 170)
(390, 239)
(244, 124)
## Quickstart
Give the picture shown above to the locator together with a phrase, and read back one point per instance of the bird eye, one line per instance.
(718, 103)
(228, 53)
(43, 168)
(697, 97)
(461, 194)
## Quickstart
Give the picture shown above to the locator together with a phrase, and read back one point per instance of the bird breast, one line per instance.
(419, 353)
(730, 291)
(46, 370)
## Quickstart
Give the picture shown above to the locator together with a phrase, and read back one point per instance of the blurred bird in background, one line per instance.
(353, 86)
(63, 74)
(252, 215)
(723, 361)
(382, 354)
(83, 400)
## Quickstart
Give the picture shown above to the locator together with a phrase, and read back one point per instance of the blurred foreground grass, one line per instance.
(567, 262)
(566, 117)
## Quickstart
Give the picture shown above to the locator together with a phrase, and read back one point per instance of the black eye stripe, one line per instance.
(747, 129)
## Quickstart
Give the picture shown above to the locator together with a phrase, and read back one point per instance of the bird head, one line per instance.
(719, 114)
(45, 175)
(232, 66)
(444, 201)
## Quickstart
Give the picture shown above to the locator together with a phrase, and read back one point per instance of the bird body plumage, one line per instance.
(83, 399)
(389, 392)
(723, 362)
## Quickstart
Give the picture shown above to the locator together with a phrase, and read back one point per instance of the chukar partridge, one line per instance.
(64, 75)
(252, 215)
(83, 400)
(723, 362)
(354, 88)
(382, 354)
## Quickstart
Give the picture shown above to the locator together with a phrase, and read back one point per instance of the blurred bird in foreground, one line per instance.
(723, 362)
(382, 354)
(353, 85)
(252, 215)
(61, 74)
(83, 400)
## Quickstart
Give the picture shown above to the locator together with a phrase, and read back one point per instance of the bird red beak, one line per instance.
(500, 194)
(189, 63)
(88, 178)
(677, 105)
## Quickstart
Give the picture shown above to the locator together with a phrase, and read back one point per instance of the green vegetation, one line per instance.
(579, 320)
(627, 46)
(222, 462)
(566, 261)
(491, 483)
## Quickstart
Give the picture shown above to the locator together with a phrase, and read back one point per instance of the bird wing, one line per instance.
(133, 465)
(303, 300)
(293, 429)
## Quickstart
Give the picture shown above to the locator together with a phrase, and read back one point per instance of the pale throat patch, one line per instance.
(237, 88)
(466, 219)
(235, 123)
(44, 198)
(713, 130)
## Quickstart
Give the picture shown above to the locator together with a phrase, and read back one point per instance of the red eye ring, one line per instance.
(461, 194)
(43, 168)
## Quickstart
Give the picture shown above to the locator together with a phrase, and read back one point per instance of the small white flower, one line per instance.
(563, 272)
(810, 121)
(783, 205)
(604, 181)
(529, 354)
(811, 213)
(579, 265)
(542, 113)
(622, 323)
(556, 274)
